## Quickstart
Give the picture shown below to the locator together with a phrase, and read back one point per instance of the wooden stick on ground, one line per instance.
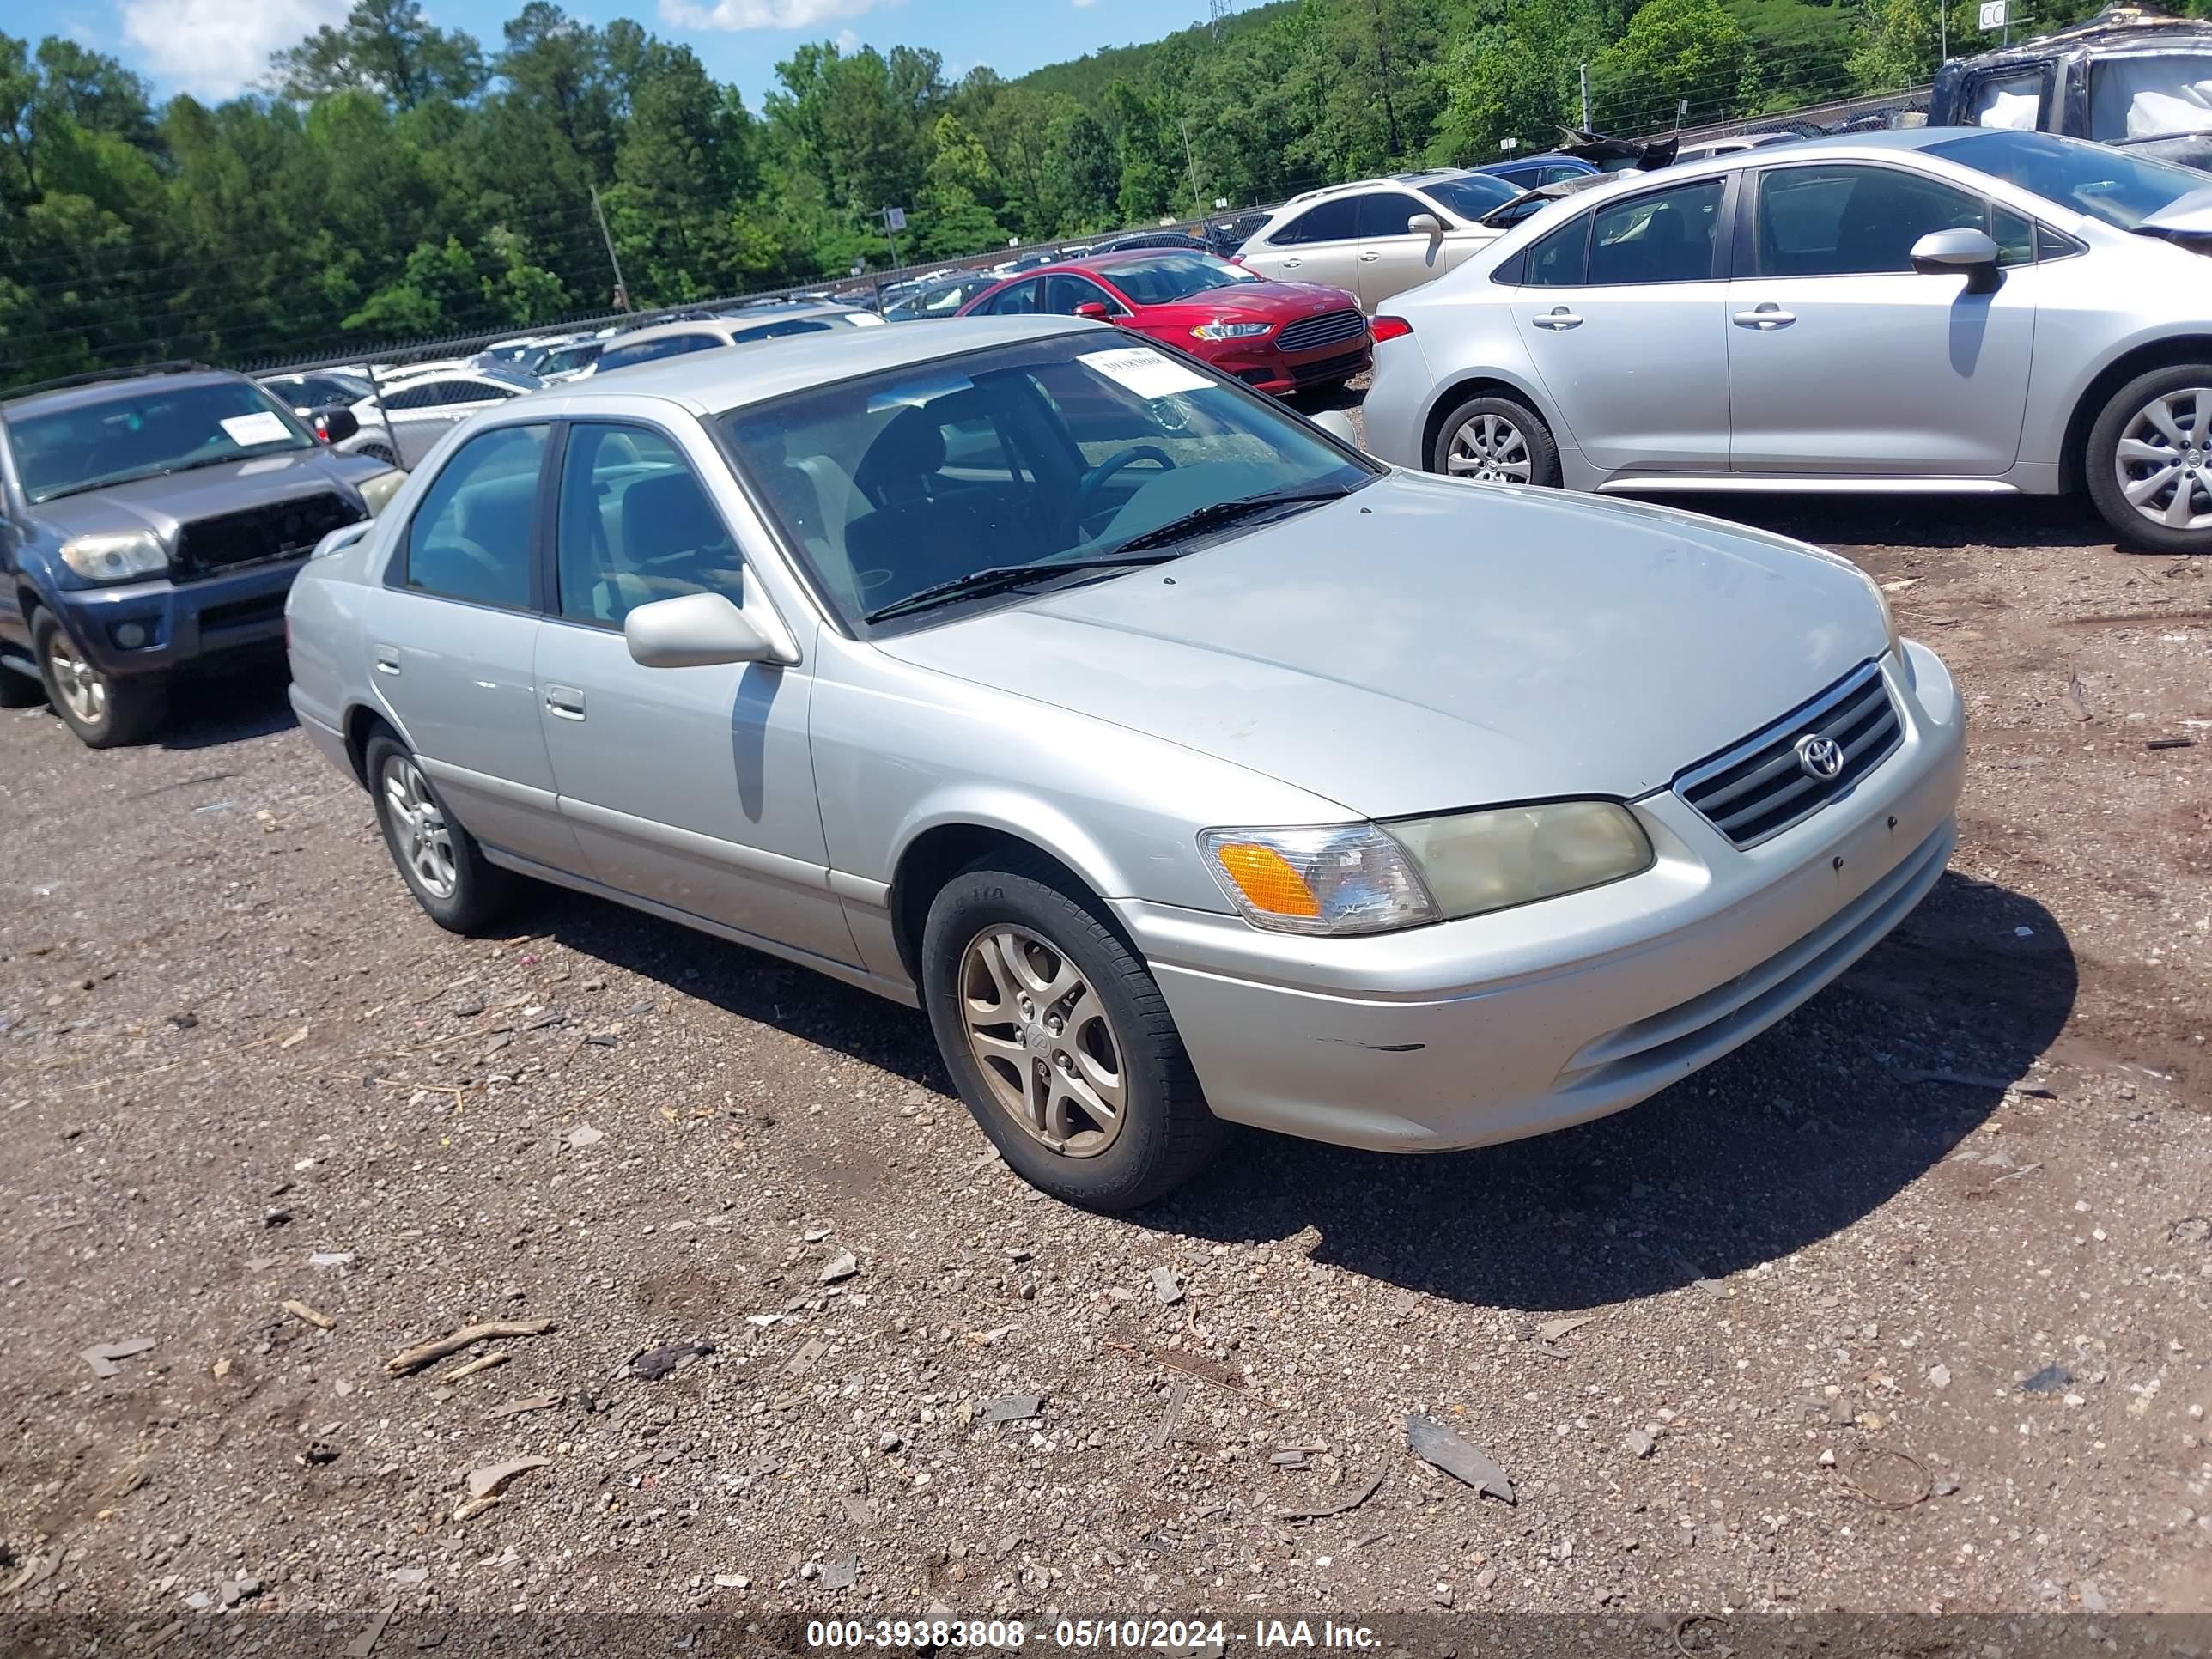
(413, 1359)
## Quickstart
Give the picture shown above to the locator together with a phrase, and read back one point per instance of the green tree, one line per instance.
(1675, 51)
(1517, 79)
(389, 46)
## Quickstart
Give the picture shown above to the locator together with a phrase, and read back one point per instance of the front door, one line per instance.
(1392, 258)
(1842, 360)
(1320, 246)
(1627, 322)
(453, 641)
(692, 787)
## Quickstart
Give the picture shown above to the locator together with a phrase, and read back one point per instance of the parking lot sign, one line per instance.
(1994, 14)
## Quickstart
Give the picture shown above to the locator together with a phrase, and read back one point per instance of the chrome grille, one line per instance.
(1330, 328)
(1759, 787)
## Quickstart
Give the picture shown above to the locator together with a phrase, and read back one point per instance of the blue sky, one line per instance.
(216, 48)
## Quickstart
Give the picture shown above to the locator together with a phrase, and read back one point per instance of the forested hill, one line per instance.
(394, 181)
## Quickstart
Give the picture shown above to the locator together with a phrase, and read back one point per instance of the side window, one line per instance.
(2014, 235)
(1063, 293)
(1384, 213)
(1019, 301)
(635, 525)
(783, 330)
(1333, 221)
(1853, 220)
(1561, 259)
(1664, 237)
(470, 538)
(415, 397)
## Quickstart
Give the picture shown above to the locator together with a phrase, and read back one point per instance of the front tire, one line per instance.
(2148, 462)
(1498, 440)
(458, 887)
(105, 712)
(1059, 1040)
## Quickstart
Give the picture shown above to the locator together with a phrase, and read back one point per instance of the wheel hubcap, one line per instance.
(1042, 1039)
(1492, 447)
(79, 683)
(425, 841)
(2164, 461)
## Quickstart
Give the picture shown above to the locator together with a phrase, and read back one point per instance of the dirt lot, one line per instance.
(1841, 1335)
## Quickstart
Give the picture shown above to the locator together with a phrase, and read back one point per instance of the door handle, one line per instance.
(564, 702)
(1370, 256)
(1766, 317)
(1292, 264)
(387, 661)
(1558, 317)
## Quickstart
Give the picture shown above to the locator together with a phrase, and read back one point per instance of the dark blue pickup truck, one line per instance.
(149, 520)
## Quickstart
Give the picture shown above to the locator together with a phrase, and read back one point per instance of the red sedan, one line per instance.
(1277, 337)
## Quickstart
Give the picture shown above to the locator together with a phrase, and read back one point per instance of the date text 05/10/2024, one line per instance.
(1171, 1636)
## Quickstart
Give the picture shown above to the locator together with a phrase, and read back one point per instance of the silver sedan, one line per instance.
(1949, 309)
(1186, 766)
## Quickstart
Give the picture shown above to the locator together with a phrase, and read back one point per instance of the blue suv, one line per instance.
(151, 519)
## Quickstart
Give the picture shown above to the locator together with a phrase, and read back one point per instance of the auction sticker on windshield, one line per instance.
(261, 427)
(1146, 372)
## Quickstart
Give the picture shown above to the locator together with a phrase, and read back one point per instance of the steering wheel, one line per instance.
(1086, 493)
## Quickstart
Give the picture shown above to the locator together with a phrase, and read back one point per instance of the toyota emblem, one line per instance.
(1819, 758)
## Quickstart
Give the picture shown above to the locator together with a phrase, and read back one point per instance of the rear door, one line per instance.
(1392, 257)
(453, 638)
(1321, 245)
(1624, 314)
(692, 787)
(1843, 359)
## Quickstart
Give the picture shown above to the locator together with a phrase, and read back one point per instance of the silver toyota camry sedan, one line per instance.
(1945, 309)
(1186, 766)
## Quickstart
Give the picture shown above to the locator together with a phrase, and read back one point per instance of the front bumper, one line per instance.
(1265, 369)
(179, 621)
(1534, 1019)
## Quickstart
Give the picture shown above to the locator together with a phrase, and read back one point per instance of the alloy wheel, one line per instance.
(1042, 1040)
(426, 841)
(2164, 460)
(82, 686)
(1490, 447)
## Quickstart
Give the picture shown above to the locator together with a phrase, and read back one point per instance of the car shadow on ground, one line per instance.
(1803, 1132)
(226, 704)
(1913, 521)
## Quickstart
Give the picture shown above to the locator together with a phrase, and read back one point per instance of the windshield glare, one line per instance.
(2150, 95)
(1051, 450)
(1472, 196)
(2110, 185)
(147, 433)
(1163, 278)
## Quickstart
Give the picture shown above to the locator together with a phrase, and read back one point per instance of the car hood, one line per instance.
(1424, 645)
(162, 504)
(1261, 301)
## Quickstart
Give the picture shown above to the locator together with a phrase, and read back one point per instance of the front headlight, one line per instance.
(377, 493)
(1369, 878)
(117, 556)
(1231, 331)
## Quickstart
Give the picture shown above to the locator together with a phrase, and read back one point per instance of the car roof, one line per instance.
(739, 323)
(499, 373)
(123, 386)
(709, 382)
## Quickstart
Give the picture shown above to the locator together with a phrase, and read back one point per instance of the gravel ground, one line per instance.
(1809, 1330)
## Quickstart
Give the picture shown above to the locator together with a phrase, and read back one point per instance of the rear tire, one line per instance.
(104, 711)
(458, 887)
(2149, 460)
(1496, 438)
(1082, 1082)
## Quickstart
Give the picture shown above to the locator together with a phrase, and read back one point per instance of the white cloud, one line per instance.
(1083, 5)
(217, 48)
(847, 42)
(736, 16)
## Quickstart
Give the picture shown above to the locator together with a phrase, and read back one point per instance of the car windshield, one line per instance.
(2150, 95)
(146, 432)
(1161, 279)
(2111, 184)
(1052, 453)
(1471, 195)
(561, 359)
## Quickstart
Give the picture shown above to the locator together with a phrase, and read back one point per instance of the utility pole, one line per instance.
(1584, 70)
(1190, 161)
(1382, 58)
(622, 288)
(1217, 14)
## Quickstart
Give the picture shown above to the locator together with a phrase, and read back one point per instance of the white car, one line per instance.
(1381, 236)
(310, 391)
(421, 408)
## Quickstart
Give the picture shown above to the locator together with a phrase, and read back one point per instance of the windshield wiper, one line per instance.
(998, 578)
(1216, 514)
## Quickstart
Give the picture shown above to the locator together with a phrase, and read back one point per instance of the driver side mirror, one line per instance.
(1095, 310)
(1961, 252)
(336, 424)
(698, 631)
(1337, 424)
(1426, 224)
